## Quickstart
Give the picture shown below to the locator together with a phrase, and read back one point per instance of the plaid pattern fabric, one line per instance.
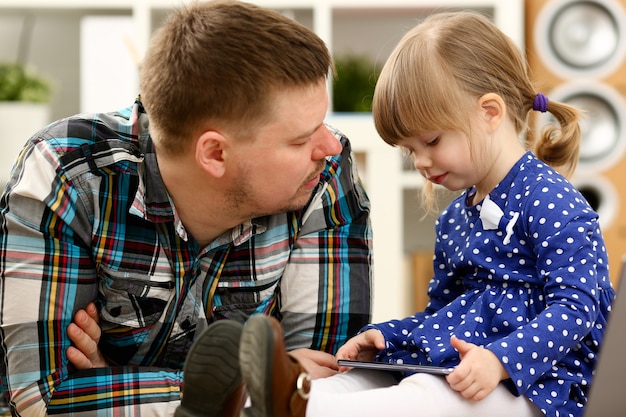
(86, 217)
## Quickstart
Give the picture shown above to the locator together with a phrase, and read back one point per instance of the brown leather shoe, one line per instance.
(278, 385)
(212, 383)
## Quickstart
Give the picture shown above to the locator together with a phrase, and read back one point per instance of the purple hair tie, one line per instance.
(540, 103)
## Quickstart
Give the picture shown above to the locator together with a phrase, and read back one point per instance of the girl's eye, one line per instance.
(433, 142)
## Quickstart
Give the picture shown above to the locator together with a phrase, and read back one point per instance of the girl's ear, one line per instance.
(210, 153)
(492, 109)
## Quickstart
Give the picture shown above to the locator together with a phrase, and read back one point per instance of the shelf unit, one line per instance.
(360, 26)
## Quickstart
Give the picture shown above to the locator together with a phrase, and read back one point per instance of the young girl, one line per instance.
(521, 292)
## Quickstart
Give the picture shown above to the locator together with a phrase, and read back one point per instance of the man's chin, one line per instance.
(294, 205)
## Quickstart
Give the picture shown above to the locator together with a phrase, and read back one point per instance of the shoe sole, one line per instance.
(216, 349)
(256, 360)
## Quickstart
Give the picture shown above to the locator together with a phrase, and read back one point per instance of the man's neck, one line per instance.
(197, 201)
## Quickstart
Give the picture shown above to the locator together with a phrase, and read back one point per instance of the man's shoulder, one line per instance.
(85, 128)
(92, 141)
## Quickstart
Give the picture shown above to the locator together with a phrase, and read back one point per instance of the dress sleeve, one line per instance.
(47, 274)
(326, 286)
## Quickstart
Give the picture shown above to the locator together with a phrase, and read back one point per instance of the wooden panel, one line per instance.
(603, 180)
(422, 268)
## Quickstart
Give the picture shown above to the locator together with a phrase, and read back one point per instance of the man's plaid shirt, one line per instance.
(86, 217)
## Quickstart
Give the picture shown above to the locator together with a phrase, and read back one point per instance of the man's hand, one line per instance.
(318, 364)
(84, 332)
(479, 372)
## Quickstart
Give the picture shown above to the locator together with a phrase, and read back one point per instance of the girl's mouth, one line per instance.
(438, 179)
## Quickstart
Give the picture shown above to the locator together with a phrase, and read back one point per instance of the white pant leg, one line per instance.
(376, 394)
(353, 381)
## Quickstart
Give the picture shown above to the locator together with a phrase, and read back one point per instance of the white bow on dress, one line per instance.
(493, 218)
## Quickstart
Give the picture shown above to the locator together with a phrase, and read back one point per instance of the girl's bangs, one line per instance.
(415, 96)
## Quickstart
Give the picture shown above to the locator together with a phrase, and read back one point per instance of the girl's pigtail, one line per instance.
(559, 145)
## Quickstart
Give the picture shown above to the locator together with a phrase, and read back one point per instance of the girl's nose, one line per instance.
(421, 161)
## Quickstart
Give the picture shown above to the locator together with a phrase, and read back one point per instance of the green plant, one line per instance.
(19, 84)
(353, 87)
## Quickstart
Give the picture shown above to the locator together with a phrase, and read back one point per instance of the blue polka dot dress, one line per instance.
(524, 274)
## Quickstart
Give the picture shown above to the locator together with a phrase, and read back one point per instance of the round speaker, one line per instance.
(581, 38)
(600, 195)
(603, 124)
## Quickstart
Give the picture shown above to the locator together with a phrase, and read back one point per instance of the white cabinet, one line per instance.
(371, 27)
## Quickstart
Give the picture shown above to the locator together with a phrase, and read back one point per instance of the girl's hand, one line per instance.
(479, 372)
(363, 346)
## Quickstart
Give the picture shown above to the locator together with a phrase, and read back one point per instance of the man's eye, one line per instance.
(434, 141)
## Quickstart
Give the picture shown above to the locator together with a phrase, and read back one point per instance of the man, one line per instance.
(220, 194)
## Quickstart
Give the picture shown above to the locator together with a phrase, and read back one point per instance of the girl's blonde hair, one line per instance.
(441, 66)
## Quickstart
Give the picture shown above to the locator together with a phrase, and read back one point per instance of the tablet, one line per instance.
(398, 367)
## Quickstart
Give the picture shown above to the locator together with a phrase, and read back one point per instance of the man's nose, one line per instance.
(327, 145)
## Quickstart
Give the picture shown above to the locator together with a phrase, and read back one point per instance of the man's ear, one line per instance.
(210, 148)
(492, 109)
